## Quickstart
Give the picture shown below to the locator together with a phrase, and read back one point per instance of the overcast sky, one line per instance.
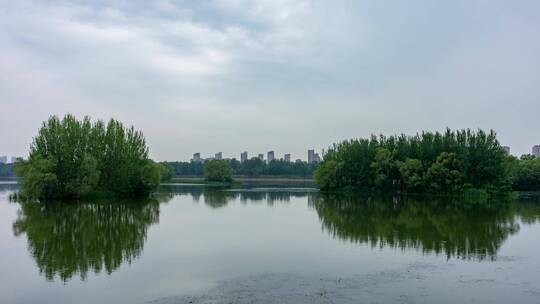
(235, 75)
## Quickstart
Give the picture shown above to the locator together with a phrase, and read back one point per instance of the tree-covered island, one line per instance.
(71, 159)
(452, 162)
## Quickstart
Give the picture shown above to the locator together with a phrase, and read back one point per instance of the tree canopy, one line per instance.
(7, 170)
(436, 162)
(72, 158)
(217, 171)
(251, 167)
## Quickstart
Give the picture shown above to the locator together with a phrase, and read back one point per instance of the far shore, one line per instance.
(247, 181)
(251, 178)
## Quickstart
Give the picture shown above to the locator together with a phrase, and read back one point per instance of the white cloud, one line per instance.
(279, 74)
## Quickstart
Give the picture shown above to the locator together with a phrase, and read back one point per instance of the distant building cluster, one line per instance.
(6, 160)
(270, 156)
(313, 157)
(197, 157)
(243, 156)
(287, 157)
(536, 151)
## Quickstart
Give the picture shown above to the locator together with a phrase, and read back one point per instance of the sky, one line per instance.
(282, 75)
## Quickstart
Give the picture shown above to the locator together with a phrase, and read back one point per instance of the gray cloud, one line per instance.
(234, 75)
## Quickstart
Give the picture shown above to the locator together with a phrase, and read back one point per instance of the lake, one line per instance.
(192, 244)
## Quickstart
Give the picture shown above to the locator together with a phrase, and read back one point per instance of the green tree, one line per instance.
(39, 177)
(327, 175)
(382, 166)
(444, 174)
(167, 171)
(72, 159)
(217, 171)
(412, 174)
(381, 163)
(527, 175)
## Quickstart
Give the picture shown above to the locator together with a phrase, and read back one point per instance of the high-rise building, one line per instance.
(261, 156)
(218, 156)
(536, 151)
(243, 156)
(196, 157)
(3, 159)
(287, 157)
(270, 156)
(506, 149)
(310, 156)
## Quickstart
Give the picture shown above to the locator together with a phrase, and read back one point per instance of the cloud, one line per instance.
(284, 75)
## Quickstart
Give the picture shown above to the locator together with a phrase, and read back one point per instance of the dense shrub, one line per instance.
(434, 162)
(72, 159)
(526, 174)
(217, 171)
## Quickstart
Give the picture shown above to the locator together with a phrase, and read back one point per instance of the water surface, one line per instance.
(268, 245)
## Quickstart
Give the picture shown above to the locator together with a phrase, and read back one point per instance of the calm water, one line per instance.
(197, 245)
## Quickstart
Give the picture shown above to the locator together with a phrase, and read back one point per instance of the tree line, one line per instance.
(7, 170)
(252, 167)
(524, 173)
(72, 158)
(448, 162)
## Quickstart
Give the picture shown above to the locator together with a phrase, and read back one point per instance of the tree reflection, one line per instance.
(217, 198)
(467, 231)
(67, 239)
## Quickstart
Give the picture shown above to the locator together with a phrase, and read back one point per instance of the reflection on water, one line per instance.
(217, 197)
(457, 230)
(69, 239)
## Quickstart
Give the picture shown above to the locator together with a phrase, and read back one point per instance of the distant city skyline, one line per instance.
(536, 151)
(310, 156)
(8, 159)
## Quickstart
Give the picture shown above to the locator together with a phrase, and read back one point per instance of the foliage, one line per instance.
(72, 159)
(382, 167)
(167, 172)
(444, 174)
(327, 175)
(434, 162)
(7, 170)
(39, 177)
(252, 167)
(526, 175)
(217, 171)
(412, 173)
